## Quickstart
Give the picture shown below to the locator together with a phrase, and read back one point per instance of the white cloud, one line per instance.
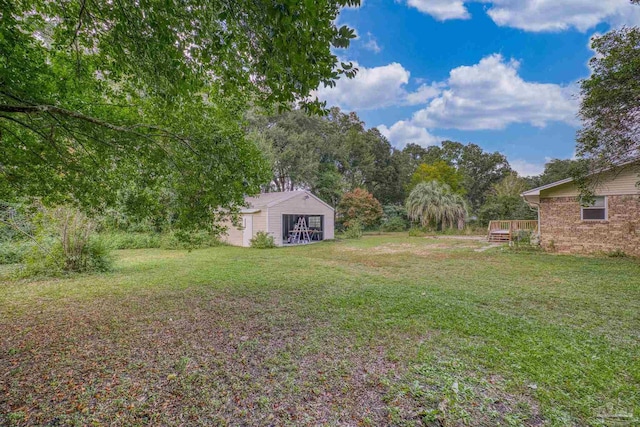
(525, 168)
(403, 133)
(423, 94)
(371, 88)
(491, 95)
(539, 15)
(558, 15)
(441, 9)
(376, 87)
(372, 44)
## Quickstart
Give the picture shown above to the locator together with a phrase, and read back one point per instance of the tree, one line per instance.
(359, 206)
(480, 169)
(434, 204)
(505, 202)
(511, 186)
(441, 172)
(95, 95)
(610, 102)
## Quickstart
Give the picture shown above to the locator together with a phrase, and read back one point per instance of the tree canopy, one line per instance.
(439, 171)
(610, 106)
(95, 96)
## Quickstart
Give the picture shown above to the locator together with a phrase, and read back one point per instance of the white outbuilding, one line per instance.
(291, 217)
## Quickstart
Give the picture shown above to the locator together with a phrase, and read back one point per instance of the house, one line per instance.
(610, 223)
(291, 217)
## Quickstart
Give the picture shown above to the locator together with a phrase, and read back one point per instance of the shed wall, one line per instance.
(234, 234)
(300, 204)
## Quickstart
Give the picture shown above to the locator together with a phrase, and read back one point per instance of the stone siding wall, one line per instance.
(561, 228)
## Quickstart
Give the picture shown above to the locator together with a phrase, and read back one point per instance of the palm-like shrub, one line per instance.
(434, 204)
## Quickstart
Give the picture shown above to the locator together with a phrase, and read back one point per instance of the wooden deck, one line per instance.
(504, 231)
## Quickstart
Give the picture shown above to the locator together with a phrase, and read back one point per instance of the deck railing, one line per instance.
(506, 229)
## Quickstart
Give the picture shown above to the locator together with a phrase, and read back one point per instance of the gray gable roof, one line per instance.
(267, 200)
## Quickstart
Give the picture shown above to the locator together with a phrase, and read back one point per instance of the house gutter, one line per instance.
(533, 205)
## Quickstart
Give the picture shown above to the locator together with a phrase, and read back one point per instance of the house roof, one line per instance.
(267, 200)
(536, 191)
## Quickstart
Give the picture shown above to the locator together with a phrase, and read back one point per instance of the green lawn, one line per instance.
(386, 330)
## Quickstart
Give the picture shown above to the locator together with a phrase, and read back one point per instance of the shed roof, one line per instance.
(267, 200)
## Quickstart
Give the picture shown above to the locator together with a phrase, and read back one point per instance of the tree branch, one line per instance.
(51, 109)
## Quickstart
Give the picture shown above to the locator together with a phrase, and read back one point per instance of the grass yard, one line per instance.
(386, 330)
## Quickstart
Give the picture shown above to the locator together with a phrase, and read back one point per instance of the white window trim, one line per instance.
(606, 211)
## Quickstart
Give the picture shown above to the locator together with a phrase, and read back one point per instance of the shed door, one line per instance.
(247, 232)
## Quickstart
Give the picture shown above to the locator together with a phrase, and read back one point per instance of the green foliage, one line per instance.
(126, 240)
(262, 240)
(505, 202)
(13, 252)
(359, 206)
(434, 204)
(51, 258)
(505, 207)
(618, 253)
(329, 155)
(64, 241)
(97, 97)
(394, 218)
(609, 99)
(394, 223)
(417, 232)
(523, 241)
(441, 172)
(510, 186)
(354, 230)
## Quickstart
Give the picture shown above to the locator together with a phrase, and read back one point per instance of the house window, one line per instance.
(315, 222)
(596, 210)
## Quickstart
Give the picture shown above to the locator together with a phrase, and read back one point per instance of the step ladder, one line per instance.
(300, 233)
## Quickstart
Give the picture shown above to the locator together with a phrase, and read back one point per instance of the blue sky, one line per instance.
(499, 73)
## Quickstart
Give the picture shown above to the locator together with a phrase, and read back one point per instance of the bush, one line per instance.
(64, 241)
(359, 205)
(262, 240)
(523, 242)
(618, 253)
(354, 231)
(14, 252)
(179, 239)
(416, 232)
(170, 240)
(395, 223)
(50, 258)
(120, 240)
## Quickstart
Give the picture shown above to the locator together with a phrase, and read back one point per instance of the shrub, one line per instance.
(14, 252)
(395, 223)
(618, 253)
(64, 242)
(170, 240)
(119, 240)
(262, 240)
(523, 242)
(354, 231)
(416, 232)
(179, 239)
(359, 205)
(50, 258)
